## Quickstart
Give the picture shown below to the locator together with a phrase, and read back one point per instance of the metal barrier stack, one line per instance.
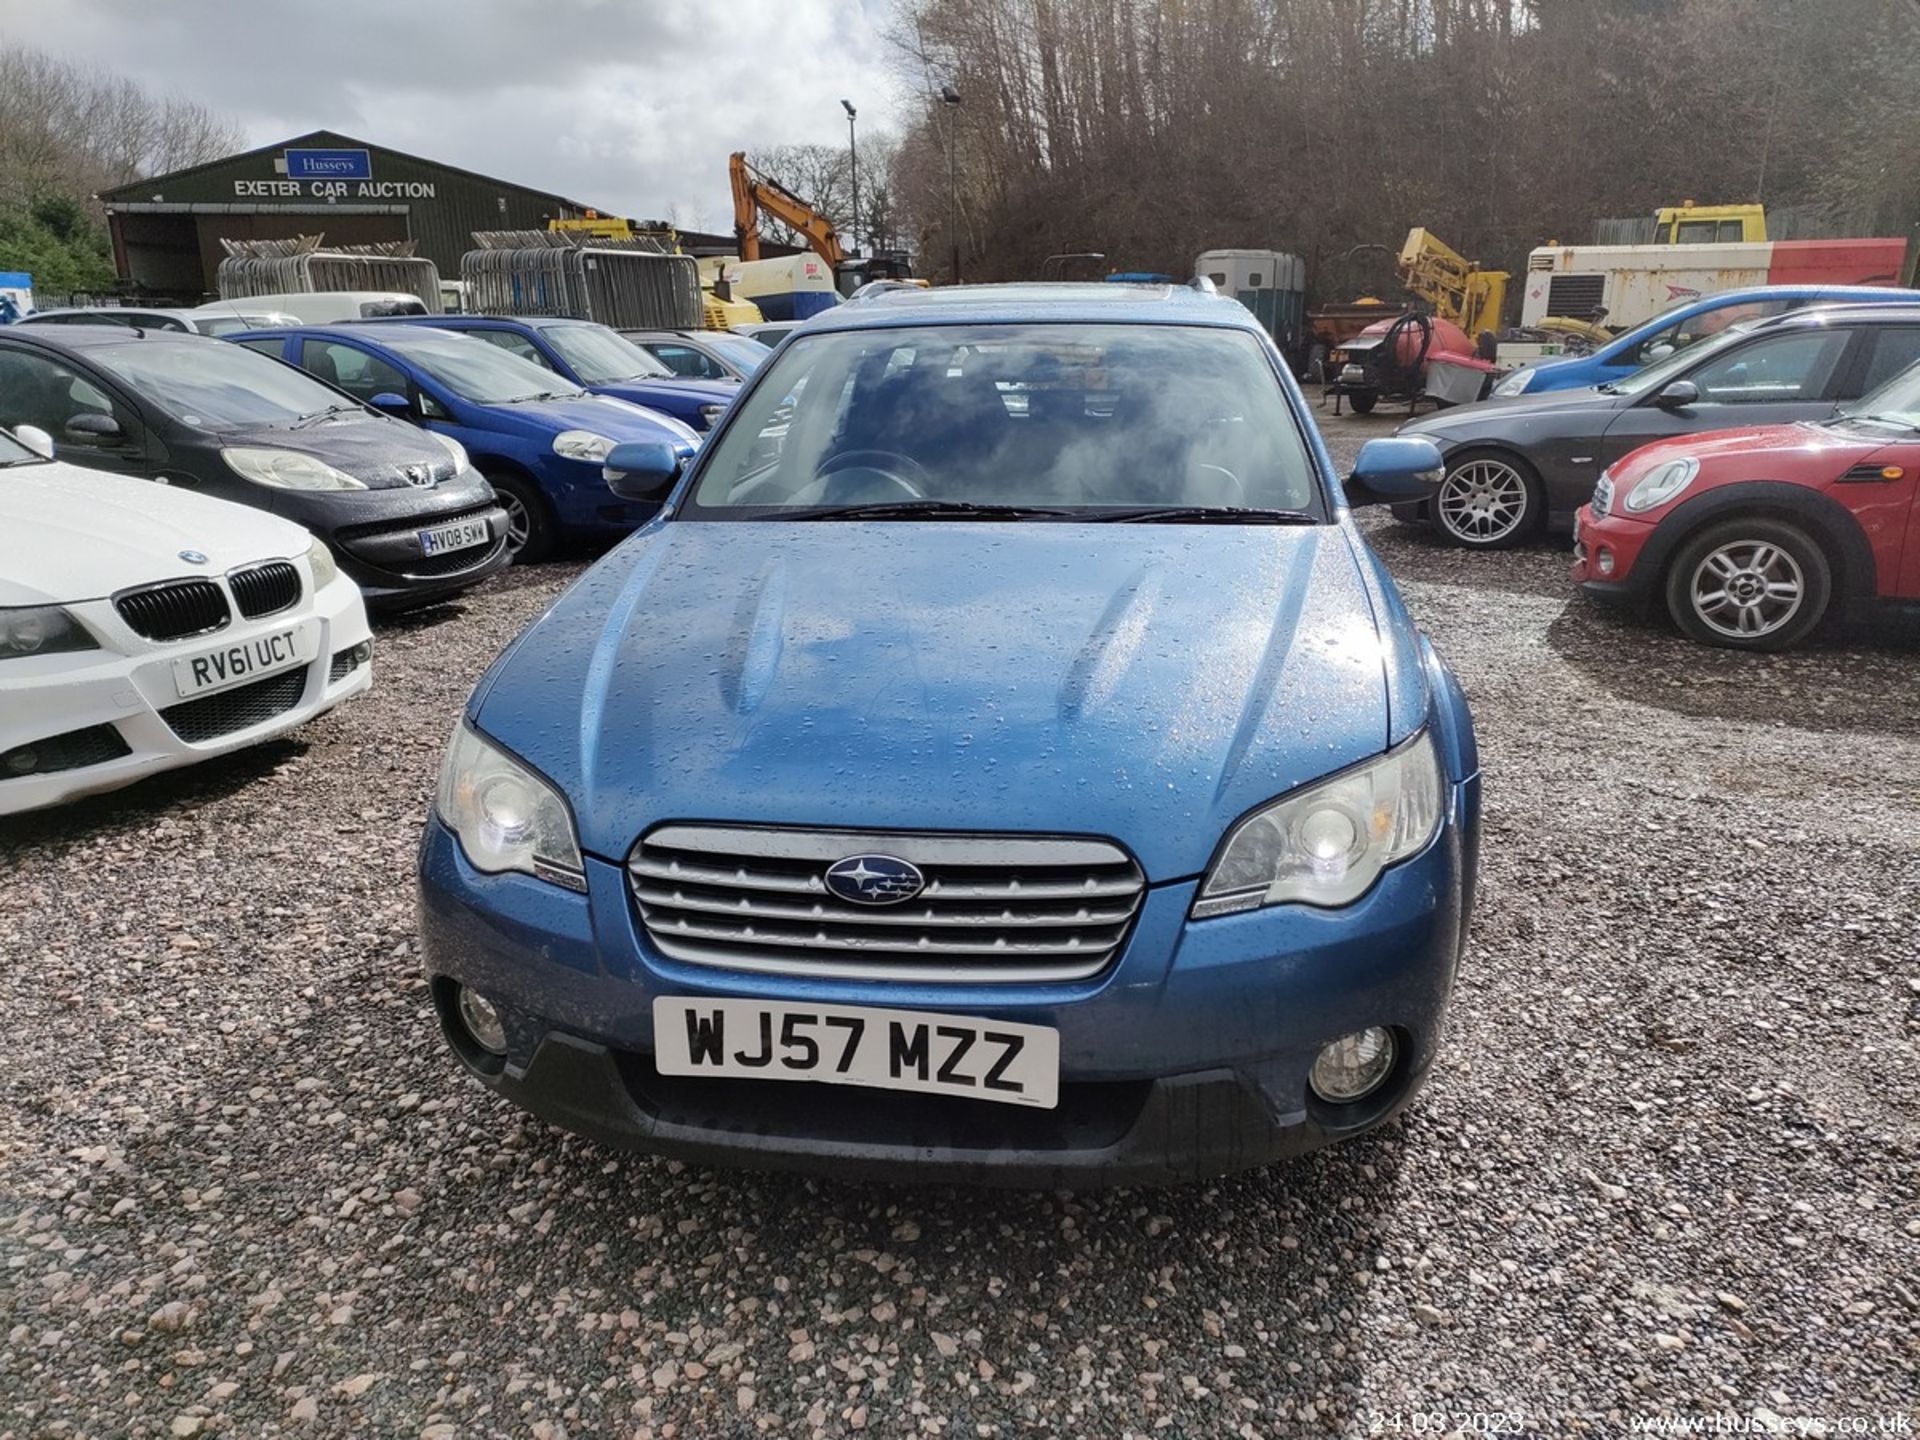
(628, 284)
(300, 265)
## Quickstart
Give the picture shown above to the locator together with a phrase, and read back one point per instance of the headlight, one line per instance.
(41, 630)
(455, 449)
(1327, 843)
(506, 816)
(1516, 383)
(582, 445)
(1661, 484)
(288, 470)
(325, 569)
(710, 415)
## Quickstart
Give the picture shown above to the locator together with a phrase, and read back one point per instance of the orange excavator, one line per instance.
(756, 194)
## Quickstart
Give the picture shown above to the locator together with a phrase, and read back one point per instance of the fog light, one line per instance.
(1603, 560)
(483, 1022)
(1354, 1066)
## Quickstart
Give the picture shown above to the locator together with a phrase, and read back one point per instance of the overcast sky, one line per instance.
(632, 105)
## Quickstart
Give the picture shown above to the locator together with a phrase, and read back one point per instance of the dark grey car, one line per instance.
(1518, 464)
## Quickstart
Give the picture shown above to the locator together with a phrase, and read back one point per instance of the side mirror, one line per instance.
(642, 470)
(392, 404)
(1395, 469)
(1677, 395)
(100, 431)
(35, 439)
(1658, 351)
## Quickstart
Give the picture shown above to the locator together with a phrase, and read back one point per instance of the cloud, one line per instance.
(632, 105)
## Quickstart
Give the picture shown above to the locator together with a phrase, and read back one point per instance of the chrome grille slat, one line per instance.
(996, 908)
(796, 884)
(822, 939)
(908, 914)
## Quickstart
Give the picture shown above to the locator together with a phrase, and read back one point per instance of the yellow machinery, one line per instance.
(755, 194)
(1691, 224)
(717, 313)
(1456, 287)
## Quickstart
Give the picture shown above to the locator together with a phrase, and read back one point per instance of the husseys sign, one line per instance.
(330, 175)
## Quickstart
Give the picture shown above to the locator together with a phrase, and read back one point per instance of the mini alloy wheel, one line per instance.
(1747, 589)
(1756, 584)
(1485, 503)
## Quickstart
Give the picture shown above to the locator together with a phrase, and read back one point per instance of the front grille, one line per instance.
(454, 561)
(994, 908)
(384, 529)
(75, 750)
(381, 553)
(212, 716)
(265, 589)
(1603, 497)
(174, 610)
(1577, 296)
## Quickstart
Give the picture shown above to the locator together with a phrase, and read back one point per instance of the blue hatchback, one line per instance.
(1691, 320)
(540, 440)
(1003, 724)
(595, 357)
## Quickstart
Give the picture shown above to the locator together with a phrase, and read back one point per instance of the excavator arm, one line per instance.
(755, 195)
(1457, 288)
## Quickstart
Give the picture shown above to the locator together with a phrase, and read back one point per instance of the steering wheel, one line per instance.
(902, 472)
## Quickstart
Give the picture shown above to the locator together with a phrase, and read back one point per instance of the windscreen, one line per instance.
(1643, 382)
(1897, 402)
(601, 356)
(1048, 415)
(741, 350)
(216, 384)
(475, 370)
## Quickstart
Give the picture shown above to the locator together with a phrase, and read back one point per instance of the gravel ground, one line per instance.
(1667, 1167)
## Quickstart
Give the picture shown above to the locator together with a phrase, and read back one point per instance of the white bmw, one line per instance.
(143, 627)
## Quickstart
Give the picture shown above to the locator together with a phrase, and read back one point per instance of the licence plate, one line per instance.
(461, 535)
(935, 1054)
(243, 661)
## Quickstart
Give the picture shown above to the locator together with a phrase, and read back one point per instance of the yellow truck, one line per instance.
(1691, 224)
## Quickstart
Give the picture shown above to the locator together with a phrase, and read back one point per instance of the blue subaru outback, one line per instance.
(1002, 759)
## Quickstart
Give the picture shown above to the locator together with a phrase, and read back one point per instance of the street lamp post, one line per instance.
(950, 97)
(853, 164)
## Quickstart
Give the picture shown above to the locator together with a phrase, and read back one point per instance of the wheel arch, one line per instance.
(1828, 522)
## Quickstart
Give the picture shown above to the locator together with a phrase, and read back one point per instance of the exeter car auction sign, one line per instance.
(331, 175)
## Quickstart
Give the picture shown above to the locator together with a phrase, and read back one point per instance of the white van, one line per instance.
(325, 307)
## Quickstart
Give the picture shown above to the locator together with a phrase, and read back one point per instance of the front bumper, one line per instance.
(1613, 542)
(1186, 1057)
(104, 715)
(387, 562)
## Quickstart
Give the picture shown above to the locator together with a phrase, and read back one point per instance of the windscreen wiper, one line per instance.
(922, 510)
(317, 416)
(1209, 515)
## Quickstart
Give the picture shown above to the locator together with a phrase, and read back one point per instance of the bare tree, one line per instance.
(72, 130)
(1155, 129)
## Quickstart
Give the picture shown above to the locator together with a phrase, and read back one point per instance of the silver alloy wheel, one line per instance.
(1483, 501)
(1747, 588)
(519, 523)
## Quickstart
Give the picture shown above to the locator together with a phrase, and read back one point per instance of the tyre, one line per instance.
(530, 527)
(1488, 500)
(1759, 584)
(1362, 401)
